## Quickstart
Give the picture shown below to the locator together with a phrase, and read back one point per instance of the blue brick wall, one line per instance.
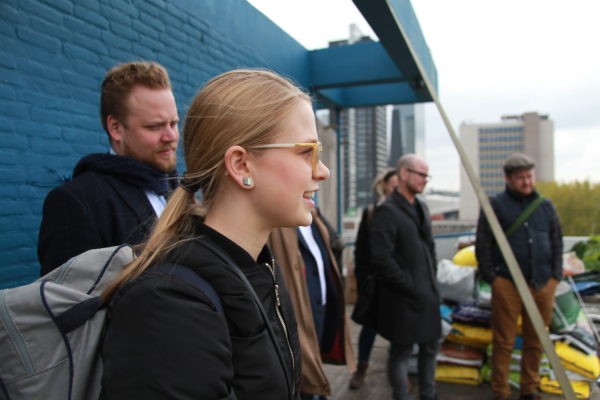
(53, 56)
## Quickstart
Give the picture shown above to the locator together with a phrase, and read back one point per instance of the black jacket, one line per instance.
(403, 258)
(165, 339)
(362, 249)
(536, 244)
(96, 209)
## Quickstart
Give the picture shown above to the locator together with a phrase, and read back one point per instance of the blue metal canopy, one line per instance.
(376, 73)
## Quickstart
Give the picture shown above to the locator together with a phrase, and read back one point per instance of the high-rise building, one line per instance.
(407, 131)
(365, 153)
(487, 146)
(364, 150)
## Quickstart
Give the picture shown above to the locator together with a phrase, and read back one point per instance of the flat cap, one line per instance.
(518, 161)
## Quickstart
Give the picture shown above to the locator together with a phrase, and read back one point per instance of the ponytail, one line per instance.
(174, 225)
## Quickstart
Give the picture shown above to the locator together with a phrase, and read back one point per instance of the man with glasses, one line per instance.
(404, 261)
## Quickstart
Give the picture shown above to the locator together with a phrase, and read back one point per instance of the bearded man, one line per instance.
(404, 261)
(115, 197)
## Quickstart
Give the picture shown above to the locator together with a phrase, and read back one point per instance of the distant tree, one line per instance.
(577, 204)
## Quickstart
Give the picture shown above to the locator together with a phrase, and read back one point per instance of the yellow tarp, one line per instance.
(457, 374)
(581, 388)
(476, 336)
(574, 360)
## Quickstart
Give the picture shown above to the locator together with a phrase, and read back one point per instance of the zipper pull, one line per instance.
(277, 295)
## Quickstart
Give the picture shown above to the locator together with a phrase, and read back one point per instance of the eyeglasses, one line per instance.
(317, 147)
(421, 174)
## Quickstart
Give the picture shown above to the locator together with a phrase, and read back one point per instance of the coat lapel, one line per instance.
(409, 211)
(136, 200)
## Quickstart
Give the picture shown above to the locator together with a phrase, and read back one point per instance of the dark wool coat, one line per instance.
(165, 339)
(403, 258)
(92, 211)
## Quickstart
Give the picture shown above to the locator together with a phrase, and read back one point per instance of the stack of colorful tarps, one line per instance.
(465, 355)
(462, 354)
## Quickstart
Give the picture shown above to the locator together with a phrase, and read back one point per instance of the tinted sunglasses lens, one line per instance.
(317, 149)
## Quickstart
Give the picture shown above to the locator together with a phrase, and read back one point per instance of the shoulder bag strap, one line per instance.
(524, 215)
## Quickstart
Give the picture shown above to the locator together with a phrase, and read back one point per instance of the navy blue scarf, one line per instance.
(130, 170)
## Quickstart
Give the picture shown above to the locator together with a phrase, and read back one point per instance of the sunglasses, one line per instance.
(317, 147)
(421, 174)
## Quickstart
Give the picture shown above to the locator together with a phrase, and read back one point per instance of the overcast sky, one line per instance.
(493, 58)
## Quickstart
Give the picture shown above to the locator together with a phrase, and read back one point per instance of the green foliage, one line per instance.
(589, 252)
(577, 204)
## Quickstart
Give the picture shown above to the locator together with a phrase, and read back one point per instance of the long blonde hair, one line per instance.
(381, 180)
(240, 107)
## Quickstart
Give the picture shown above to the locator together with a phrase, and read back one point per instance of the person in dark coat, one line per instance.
(384, 185)
(251, 148)
(114, 198)
(537, 246)
(404, 260)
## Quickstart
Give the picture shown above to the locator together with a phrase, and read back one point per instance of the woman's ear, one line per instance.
(237, 166)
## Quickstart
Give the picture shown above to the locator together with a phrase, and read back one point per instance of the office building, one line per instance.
(364, 149)
(487, 146)
(407, 131)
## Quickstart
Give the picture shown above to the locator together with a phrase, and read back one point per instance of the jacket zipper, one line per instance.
(285, 331)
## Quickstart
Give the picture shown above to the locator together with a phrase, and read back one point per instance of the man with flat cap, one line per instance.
(533, 231)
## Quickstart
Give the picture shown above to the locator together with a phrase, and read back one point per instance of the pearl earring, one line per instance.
(247, 181)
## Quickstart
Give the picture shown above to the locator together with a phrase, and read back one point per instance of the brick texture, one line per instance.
(53, 56)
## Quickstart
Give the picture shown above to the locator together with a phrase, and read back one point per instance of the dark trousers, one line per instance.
(506, 308)
(366, 339)
(398, 369)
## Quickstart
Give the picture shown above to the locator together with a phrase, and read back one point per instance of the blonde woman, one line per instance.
(383, 185)
(251, 148)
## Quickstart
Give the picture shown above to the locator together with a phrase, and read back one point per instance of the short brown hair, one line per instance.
(120, 80)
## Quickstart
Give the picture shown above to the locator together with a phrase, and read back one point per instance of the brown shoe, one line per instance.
(358, 377)
(501, 397)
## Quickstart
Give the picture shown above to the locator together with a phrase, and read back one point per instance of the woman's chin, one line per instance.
(304, 220)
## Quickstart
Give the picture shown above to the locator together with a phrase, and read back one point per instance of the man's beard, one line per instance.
(152, 162)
